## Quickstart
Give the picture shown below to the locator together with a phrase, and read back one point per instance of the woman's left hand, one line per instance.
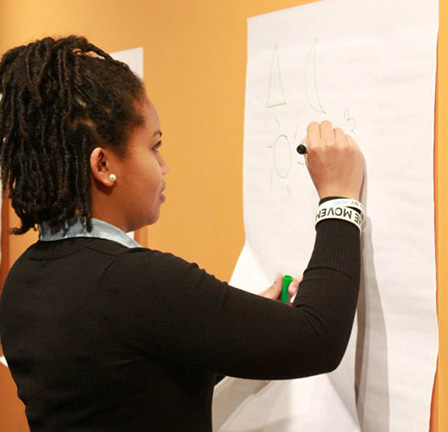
(275, 290)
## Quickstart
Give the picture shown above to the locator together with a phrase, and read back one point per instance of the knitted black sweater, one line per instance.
(102, 338)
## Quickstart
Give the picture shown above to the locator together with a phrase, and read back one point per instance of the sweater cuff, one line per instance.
(337, 246)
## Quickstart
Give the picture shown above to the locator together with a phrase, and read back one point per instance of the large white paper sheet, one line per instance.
(369, 67)
(133, 57)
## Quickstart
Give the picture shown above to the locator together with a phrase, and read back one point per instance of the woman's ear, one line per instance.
(100, 166)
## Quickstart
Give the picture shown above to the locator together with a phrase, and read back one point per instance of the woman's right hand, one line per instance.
(334, 161)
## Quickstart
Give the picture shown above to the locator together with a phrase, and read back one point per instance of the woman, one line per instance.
(102, 334)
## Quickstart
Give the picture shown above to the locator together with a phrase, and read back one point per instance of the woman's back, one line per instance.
(73, 371)
(106, 336)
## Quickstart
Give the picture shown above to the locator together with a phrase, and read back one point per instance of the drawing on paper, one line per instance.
(282, 156)
(311, 87)
(276, 93)
(350, 121)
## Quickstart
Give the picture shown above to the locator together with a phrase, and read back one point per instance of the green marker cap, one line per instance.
(287, 279)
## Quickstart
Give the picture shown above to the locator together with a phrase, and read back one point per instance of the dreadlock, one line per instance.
(59, 99)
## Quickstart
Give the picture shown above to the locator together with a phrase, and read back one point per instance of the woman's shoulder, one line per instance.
(141, 264)
(150, 259)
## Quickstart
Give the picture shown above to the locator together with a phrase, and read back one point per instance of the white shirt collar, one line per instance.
(75, 228)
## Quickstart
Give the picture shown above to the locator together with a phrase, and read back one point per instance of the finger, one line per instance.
(351, 141)
(274, 291)
(279, 282)
(278, 278)
(313, 132)
(298, 279)
(292, 289)
(340, 135)
(326, 131)
(294, 285)
(277, 285)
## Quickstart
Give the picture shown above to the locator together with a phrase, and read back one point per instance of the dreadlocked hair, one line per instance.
(60, 98)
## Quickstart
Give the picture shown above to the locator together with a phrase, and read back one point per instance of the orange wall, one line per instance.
(195, 59)
(440, 406)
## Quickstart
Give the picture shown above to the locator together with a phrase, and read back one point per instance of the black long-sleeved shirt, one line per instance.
(100, 337)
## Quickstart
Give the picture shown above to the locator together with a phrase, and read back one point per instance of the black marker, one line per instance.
(301, 149)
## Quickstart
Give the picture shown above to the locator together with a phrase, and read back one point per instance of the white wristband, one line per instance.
(339, 212)
(345, 203)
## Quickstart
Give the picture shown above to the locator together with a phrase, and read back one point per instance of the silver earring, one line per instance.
(112, 177)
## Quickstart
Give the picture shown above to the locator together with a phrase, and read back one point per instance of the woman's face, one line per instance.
(140, 184)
